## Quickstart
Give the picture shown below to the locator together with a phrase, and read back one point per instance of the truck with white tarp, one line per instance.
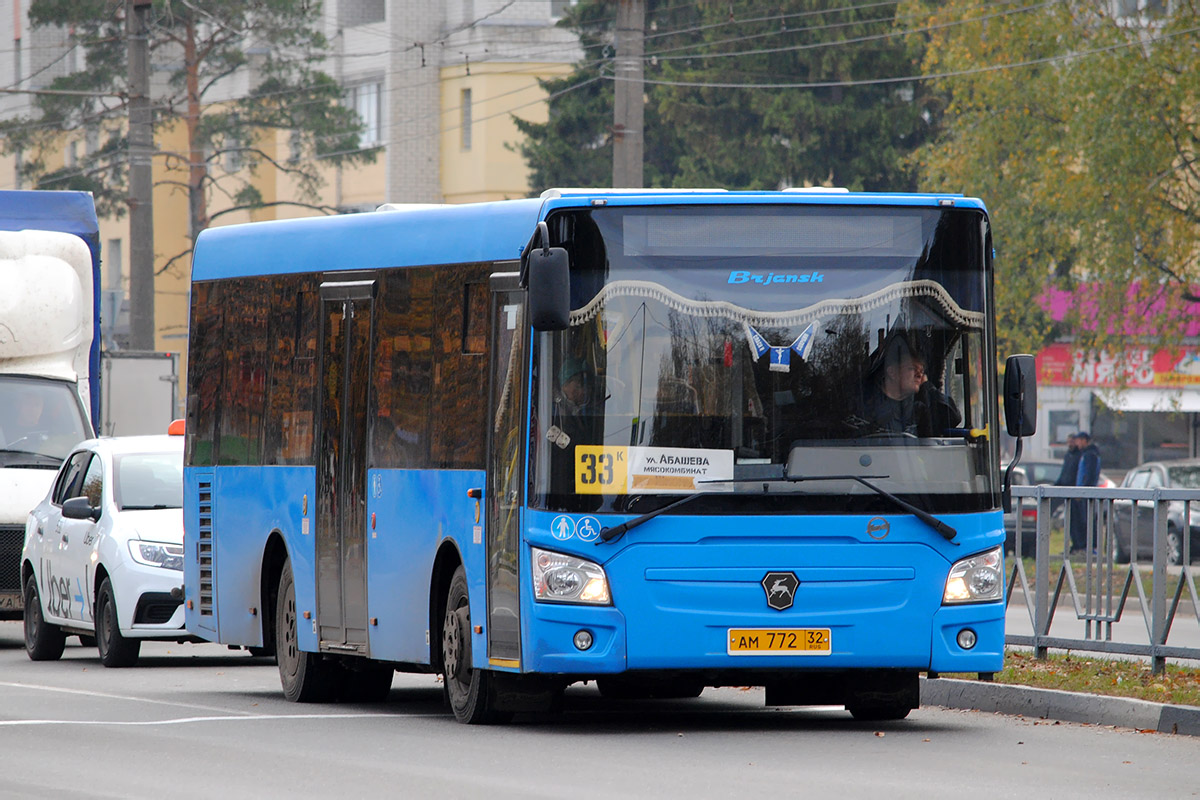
(49, 355)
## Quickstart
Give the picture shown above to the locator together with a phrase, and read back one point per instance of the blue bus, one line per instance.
(660, 440)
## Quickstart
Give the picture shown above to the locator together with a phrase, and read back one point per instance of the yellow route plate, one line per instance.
(601, 469)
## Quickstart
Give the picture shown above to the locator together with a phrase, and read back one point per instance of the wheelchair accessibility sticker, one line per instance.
(587, 529)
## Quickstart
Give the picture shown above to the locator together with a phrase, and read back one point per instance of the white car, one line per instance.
(103, 553)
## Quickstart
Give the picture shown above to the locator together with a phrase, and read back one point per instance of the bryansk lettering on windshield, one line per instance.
(764, 278)
(601, 469)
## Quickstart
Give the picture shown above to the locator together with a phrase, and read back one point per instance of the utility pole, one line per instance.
(628, 108)
(141, 179)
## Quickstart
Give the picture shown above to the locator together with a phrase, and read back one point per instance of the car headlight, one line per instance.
(157, 554)
(559, 578)
(976, 579)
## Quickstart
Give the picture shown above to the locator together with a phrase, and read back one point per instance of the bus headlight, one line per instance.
(559, 578)
(976, 579)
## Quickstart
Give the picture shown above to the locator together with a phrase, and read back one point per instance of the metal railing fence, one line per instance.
(1130, 533)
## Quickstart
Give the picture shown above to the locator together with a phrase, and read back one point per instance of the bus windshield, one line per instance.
(728, 349)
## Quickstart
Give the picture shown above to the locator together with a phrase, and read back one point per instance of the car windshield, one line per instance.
(40, 416)
(712, 348)
(1184, 477)
(149, 480)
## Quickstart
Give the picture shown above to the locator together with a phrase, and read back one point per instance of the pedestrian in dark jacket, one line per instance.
(1069, 472)
(1089, 461)
(1087, 474)
(1070, 465)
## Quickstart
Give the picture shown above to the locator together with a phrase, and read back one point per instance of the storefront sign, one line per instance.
(1059, 365)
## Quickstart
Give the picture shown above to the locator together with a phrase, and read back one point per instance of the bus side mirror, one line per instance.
(547, 272)
(1020, 395)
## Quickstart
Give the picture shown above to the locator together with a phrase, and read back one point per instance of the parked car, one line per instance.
(1182, 474)
(1048, 471)
(104, 550)
(1041, 471)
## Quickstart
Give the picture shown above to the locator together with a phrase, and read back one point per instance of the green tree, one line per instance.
(198, 49)
(1080, 131)
(723, 103)
(575, 148)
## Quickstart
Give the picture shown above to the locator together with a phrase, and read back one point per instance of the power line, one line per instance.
(838, 42)
(914, 78)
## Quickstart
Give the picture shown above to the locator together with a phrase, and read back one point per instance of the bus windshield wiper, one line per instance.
(944, 530)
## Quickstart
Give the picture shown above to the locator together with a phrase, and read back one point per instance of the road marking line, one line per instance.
(109, 696)
(189, 720)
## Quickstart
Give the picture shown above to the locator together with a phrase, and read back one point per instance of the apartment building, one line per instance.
(435, 83)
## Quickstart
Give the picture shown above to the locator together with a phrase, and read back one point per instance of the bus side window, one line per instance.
(475, 310)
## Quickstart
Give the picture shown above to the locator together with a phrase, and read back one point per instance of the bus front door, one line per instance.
(505, 466)
(341, 550)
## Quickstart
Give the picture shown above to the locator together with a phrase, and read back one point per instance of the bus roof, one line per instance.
(403, 236)
(67, 212)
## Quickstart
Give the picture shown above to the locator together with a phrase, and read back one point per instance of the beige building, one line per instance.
(436, 84)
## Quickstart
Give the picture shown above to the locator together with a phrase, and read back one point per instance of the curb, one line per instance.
(1093, 709)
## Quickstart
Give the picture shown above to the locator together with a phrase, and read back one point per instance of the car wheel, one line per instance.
(1174, 546)
(43, 641)
(1120, 550)
(115, 649)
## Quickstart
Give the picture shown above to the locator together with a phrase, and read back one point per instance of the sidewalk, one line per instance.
(1093, 709)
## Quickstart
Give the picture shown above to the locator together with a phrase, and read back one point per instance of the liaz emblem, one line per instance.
(781, 589)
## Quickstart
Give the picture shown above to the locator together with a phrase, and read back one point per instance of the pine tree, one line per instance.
(722, 107)
(199, 50)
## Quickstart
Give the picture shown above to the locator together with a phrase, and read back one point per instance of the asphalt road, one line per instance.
(201, 721)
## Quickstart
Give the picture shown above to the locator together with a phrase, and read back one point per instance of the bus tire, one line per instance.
(115, 649)
(369, 682)
(306, 677)
(878, 713)
(884, 695)
(468, 691)
(43, 641)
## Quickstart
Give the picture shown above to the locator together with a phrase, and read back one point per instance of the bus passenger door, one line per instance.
(341, 550)
(505, 466)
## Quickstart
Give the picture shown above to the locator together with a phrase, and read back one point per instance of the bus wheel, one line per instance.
(369, 682)
(879, 713)
(468, 691)
(305, 676)
(885, 695)
(43, 641)
(115, 649)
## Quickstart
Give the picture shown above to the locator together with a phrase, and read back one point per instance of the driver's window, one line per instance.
(68, 479)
